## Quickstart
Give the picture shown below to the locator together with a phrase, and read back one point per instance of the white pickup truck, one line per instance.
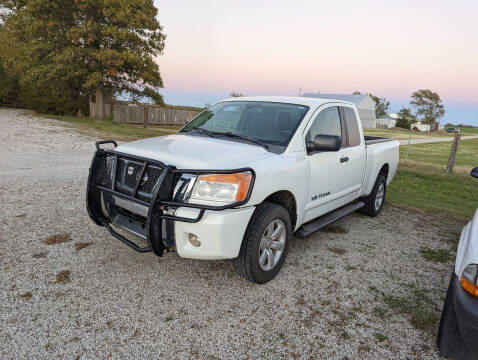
(241, 178)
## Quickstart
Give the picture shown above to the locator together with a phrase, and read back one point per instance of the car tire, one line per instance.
(259, 259)
(449, 338)
(374, 202)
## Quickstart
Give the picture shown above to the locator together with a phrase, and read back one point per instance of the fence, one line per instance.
(386, 123)
(421, 127)
(107, 109)
(147, 114)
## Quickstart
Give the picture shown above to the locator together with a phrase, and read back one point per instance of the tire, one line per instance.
(370, 207)
(266, 220)
(449, 338)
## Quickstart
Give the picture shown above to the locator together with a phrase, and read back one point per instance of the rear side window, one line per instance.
(353, 131)
(326, 123)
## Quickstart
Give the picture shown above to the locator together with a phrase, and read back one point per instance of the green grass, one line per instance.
(380, 337)
(431, 189)
(401, 134)
(438, 154)
(439, 256)
(469, 130)
(415, 304)
(109, 129)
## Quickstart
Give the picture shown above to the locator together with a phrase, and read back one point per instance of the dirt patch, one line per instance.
(337, 251)
(335, 229)
(81, 245)
(62, 276)
(40, 255)
(26, 296)
(57, 239)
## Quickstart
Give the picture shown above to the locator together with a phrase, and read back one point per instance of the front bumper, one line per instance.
(220, 233)
(466, 308)
(134, 198)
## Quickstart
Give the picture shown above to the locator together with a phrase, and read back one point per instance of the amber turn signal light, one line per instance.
(469, 286)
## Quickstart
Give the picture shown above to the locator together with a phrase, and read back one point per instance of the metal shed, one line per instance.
(364, 103)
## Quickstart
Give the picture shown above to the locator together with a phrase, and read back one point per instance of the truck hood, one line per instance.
(195, 152)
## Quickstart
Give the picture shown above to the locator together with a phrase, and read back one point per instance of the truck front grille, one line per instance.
(128, 173)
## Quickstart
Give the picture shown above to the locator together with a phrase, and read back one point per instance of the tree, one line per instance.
(356, 92)
(428, 106)
(381, 106)
(236, 94)
(76, 48)
(405, 118)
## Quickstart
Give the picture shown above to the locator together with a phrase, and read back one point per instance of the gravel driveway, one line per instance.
(360, 290)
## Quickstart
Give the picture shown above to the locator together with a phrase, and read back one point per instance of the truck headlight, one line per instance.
(469, 279)
(228, 188)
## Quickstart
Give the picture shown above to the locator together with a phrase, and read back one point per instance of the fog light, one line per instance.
(194, 240)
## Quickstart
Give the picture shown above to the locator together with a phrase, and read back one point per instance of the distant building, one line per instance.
(364, 103)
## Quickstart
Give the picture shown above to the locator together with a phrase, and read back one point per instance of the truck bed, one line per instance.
(369, 140)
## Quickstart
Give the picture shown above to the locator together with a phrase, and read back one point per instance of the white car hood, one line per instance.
(195, 152)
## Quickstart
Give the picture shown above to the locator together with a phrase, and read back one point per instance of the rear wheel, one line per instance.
(265, 244)
(374, 202)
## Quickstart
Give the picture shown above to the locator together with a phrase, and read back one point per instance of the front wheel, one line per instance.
(265, 244)
(374, 202)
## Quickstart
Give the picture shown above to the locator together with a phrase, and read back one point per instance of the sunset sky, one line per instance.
(276, 47)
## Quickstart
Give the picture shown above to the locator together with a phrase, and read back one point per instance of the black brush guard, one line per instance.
(103, 179)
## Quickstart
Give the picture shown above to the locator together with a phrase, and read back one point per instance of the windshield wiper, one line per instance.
(243, 137)
(202, 131)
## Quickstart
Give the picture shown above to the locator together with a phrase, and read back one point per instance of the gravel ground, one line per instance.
(357, 290)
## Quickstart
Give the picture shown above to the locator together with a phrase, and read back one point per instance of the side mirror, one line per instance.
(474, 172)
(325, 143)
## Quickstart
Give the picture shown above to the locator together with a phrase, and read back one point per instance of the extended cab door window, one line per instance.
(326, 123)
(351, 124)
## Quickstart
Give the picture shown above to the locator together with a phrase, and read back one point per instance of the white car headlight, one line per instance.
(228, 188)
(469, 279)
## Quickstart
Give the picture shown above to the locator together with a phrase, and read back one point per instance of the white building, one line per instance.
(364, 103)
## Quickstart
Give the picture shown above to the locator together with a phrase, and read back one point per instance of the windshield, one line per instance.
(268, 123)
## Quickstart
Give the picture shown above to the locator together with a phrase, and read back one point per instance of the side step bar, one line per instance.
(327, 219)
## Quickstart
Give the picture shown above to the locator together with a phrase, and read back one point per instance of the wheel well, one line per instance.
(384, 170)
(287, 200)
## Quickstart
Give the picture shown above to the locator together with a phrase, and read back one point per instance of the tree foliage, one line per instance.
(382, 105)
(428, 105)
(405, 118)
(236, 94)
(63, 51)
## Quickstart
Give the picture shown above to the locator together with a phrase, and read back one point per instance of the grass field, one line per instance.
(433, 190)
(109, 129)
(422, 182)
(438, 153)
(402, 134)
(469, 130)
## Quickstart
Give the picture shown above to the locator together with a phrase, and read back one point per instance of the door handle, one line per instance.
(344, 159)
